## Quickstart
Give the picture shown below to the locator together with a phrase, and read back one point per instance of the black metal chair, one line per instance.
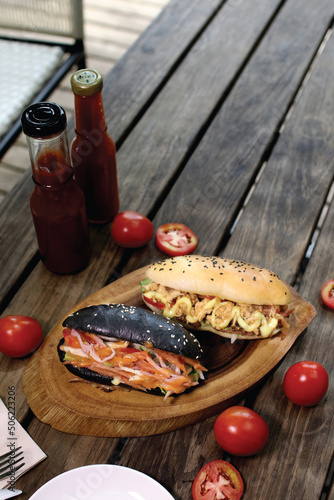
(40, 40)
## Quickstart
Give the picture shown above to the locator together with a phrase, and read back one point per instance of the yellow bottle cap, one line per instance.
(86, 82)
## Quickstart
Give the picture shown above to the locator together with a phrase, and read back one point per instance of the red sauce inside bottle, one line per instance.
(58, 209)
(94, 159)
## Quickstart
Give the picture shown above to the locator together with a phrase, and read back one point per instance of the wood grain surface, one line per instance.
(80, 408)
(249, 187)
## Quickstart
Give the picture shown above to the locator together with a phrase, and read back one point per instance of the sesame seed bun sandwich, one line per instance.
(115, 344)
(228, 297)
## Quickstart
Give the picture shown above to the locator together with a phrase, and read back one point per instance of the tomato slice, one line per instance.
(159, 305)
(70, 339)
(218, 479)
(175, 239)
(128, 350)
(327, 293)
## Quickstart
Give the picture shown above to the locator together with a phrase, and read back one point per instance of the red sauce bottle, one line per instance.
(57, 203)
(93, 150)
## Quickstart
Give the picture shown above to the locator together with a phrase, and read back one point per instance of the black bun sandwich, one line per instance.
(114, 344)
(228, 297)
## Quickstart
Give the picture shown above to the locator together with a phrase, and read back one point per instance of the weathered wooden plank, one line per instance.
(125, 101)
(72, 452)
(219, 178)
(151, 60)
(157, 147)
(18, 159)
(285, 421)
(307, 137)
(293, 184)
(7, 175)
(305, 431)
(301, 433)
(330, 483)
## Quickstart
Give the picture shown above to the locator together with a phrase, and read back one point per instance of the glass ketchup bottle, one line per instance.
(57, 203)
(93, 151)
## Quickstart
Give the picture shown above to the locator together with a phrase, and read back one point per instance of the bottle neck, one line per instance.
(89, 114)
(50, 160)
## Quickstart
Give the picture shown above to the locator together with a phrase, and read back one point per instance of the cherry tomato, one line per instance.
(131, 229)
(241, 431)
(218, 479)
(306, 383)
(19, 335)
(327, 293)
(175, 239)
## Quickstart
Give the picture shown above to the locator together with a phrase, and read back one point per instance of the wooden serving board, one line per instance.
(77, 407)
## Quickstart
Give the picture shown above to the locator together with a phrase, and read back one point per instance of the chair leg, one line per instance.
(82, 62)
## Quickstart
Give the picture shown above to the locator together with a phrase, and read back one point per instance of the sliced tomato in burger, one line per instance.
(175, 239)
(327, 293)
(155, 303)
(218, 479)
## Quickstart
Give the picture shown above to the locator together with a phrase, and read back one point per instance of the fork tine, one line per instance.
(12, 471)
(10, 462)
(2, 457)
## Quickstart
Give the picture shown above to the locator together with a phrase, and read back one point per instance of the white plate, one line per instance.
(102, 482)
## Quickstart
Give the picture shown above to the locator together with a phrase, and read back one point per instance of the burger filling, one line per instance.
(221, 314)
(135, 365)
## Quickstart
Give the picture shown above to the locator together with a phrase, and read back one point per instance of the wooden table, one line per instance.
(223, 117)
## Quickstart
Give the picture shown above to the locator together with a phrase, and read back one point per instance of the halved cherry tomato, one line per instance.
(159, 305)
(218, 479)
(241, 431)
(175, 239)
(131, 229)
(327, 293)
(19, 335)
(306, 383)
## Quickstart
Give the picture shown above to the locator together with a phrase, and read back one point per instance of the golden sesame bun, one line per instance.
(228, 279)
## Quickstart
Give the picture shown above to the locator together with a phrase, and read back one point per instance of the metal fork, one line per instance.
(9, 462)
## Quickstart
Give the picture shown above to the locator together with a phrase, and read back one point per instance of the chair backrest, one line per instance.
(55, 17)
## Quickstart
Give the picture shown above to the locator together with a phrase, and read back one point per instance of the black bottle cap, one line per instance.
(43, 119)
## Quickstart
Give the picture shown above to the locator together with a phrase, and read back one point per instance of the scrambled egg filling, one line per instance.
(221, 314)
